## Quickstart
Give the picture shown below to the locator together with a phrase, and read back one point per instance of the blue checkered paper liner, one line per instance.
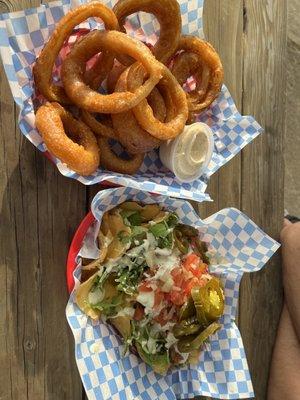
(22, 37)
(222, 372)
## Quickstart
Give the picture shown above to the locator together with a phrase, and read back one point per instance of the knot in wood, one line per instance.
(4, 6)
(29, 344)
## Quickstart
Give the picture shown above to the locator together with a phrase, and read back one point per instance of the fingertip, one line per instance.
(286, 222)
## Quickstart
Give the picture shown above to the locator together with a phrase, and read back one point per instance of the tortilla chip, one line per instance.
(194, 357)
(116, 224)
(83, 290)
(130, 206)
(122, 324)
(159, 363)
(149, 212)
(105, 224)
(81, 298)
(104, 241)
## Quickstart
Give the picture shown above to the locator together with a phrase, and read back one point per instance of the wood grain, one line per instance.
(264, 85)
(226, 37)
(39, 212)
(255, 76)
(292, 139)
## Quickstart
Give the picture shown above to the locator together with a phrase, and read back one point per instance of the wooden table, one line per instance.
(40, 210)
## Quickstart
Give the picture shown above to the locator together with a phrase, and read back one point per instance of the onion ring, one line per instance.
(73, 69)
(52, 121)
(168, 15)
(111, 162)
(42, 70)
(100, 128)
(113, 76)
(185, 65)
(209, 74)
(124, 127)
(157, 103)
(94, 76)
(144, 113)
(134, 138)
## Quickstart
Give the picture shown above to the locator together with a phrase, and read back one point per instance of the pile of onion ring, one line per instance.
(145, 102)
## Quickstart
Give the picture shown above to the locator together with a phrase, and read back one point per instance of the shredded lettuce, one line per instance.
(109, 306)
(151, 347)
(138, 234)
(96, 284)
(128, 277)
(159, 362)
(152, 341)
(99, 281)
(131, 218)
(163, 231)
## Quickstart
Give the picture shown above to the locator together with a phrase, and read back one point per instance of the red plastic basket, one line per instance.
(75, 247)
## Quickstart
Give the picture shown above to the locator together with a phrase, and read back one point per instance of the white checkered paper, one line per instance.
(222, 371)
(23, 35)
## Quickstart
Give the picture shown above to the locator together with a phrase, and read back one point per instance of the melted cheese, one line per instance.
(170, 340)
(125, 312)
(147, 300)
(95, 297)
(168, 284)
(164, 261)
(151, 345)
(163, 252)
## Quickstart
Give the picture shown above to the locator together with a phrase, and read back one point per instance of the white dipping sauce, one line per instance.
(190, 153)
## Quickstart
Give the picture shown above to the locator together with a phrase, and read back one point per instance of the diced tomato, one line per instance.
(139, 312)
(185, 277)
(165, 316)
(158, 298)
(160, 318)
(191, 262)
(190, 284)
(177, 277)
(194, 264)
(144, 287)
(177, 297)
(176, 271)
(197, 272)
(168, 297)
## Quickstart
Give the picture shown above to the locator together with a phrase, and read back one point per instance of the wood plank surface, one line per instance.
(255, 75)
(226, 37)
(39, 212)
(264, 96)
(292, 140)
(259, 91)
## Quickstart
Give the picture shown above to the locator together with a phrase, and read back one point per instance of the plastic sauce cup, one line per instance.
(189, 154)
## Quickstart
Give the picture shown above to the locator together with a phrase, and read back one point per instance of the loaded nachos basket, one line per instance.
(109, 94)
(155, 297)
